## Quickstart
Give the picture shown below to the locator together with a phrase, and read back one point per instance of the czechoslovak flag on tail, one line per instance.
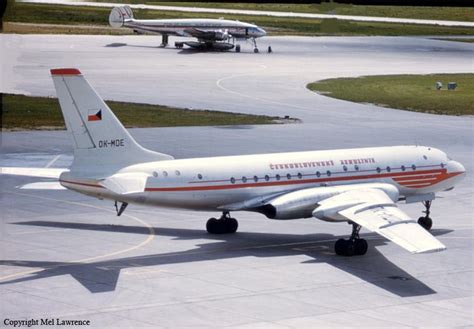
(94, 115)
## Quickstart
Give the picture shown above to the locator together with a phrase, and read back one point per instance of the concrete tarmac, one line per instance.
(68, 256)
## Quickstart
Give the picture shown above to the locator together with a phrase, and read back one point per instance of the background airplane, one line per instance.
(219, 34)
(356, 186)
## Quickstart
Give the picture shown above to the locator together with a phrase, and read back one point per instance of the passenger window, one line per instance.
(255, 179)
(345, 168)
(267, 178)
(200, 176)
(318, 174)
(378, 170)
(165, 173)
(328, 173)
(288, 176)
(442, 165)
(300, 175)
(413, 167)
(403, 168)
(277, 177)
(177, 172)
(244, 179)
(232, 180)
(389, 169)
(155, 174)
(356, 167)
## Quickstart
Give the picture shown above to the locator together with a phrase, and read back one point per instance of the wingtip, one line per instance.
(65, 71)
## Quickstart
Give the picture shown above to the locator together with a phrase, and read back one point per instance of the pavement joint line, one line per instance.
(150, 237)
(50, 163)
(219, 85)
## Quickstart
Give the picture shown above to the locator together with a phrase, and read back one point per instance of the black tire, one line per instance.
(212, 226)
(237, 49)
(425, 222)
(231, 225)
(361, 247)
(255, 50)
(350, 248)
(340, 247)
(270, 49)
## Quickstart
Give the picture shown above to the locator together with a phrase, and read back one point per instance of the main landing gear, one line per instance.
(223, 225)
(164, 40)
(425, 221)
(353, 246)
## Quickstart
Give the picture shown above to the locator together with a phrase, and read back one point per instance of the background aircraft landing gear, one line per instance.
(179, 45)
(270, 49)
(237, 48)
(164, 40)
(353, 246)
(223, 225)
(425, 221)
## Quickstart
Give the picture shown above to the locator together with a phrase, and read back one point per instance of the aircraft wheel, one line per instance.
(231, 225)
(270, 49)
(212, 226)
(340, 247)
(237, 49)
(255, 50)
(361, 247)
(425, 222)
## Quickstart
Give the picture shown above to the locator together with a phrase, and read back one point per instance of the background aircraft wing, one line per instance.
(33, 172)
(373, 209)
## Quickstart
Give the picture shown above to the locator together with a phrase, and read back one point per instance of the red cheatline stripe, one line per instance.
(432, 176)
(291, 182)
(67, 71)
(83, 184)
(416, 180)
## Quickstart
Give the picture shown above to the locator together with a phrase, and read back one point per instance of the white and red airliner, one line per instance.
(359, 186)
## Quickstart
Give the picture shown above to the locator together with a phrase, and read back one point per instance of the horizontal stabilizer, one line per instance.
(125, 183)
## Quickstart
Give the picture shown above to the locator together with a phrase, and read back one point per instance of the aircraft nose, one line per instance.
(456, 167)
(262, 32)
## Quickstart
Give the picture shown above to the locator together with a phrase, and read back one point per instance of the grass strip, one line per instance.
(43, 113)
(68, 15)
(406, 92)
(417, 12)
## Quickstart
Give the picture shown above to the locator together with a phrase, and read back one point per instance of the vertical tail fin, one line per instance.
(98, 136)
(119, 15)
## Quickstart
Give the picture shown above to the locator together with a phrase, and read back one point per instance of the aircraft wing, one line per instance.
(125, 183)
(373, 209)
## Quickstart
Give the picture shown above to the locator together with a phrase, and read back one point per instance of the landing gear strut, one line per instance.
(255, 49)
(353, 246)
(122, 208)
(164, 40)
(223, 225)
(425, 221)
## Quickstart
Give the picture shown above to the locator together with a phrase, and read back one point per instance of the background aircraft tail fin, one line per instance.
(99, 139)
(118, 15)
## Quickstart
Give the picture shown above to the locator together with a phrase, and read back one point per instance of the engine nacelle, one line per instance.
(302, 203)
(221, 36)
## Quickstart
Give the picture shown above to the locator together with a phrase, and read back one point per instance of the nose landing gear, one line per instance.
(224, 225)
(425, 221)
(353, 246)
